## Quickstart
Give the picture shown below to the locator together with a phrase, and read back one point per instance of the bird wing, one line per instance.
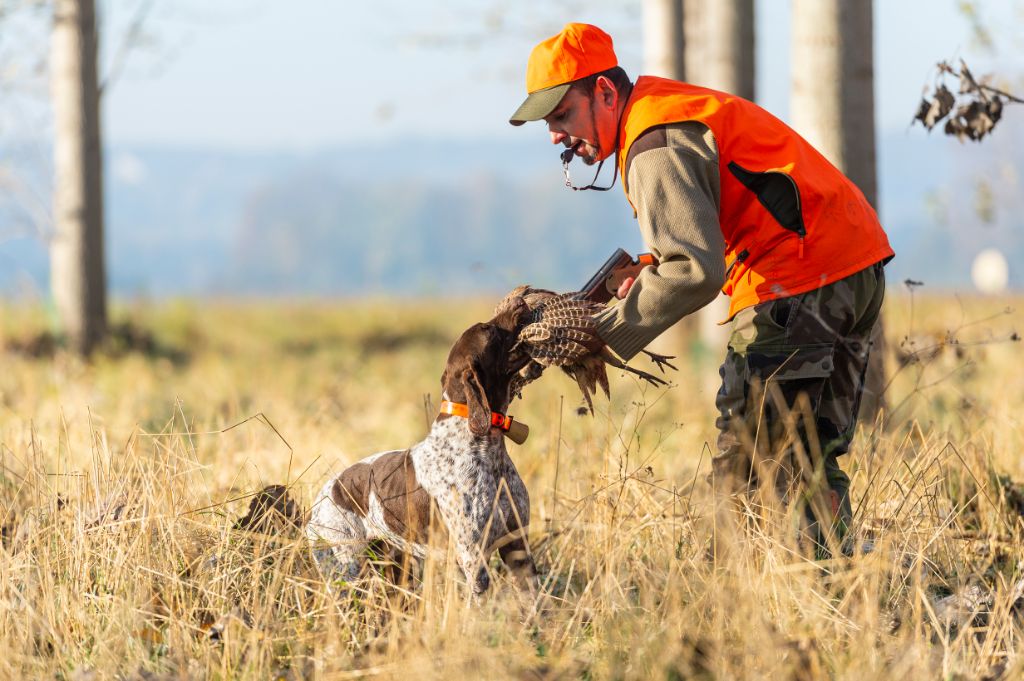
(559, 330)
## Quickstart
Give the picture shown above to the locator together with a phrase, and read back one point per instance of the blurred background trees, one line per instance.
(77, 264)
(833, 107)
(719, 55)
(248, 169)
(664, 39)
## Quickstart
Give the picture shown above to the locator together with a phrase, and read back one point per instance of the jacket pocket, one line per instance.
(791, 364)
(781, 311)
(777, 192)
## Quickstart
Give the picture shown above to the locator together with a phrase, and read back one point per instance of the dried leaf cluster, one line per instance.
(971, 113)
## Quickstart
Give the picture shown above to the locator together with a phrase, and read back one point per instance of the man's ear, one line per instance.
(605, 91)
(479, 407)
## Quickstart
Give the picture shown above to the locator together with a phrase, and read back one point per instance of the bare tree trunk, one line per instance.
(719, 55)
(833, 107)
(77, 274)
(720, 45)
(833, 100)
(664, 50)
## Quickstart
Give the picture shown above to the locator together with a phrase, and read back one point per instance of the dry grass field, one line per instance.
(121, 481)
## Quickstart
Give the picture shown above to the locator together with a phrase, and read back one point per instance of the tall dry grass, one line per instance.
(121, 480)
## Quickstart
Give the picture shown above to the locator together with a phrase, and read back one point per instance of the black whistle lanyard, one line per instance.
(567, 156)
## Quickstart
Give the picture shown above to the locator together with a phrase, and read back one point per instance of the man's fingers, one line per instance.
(624, 287)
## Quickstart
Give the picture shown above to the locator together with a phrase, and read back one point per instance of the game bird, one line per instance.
(559, 330)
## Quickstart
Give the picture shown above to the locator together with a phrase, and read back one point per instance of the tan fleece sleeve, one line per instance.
(675, 189)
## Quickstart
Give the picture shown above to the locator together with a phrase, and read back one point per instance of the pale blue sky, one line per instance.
(264, 74)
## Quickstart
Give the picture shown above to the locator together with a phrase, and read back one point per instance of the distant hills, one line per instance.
(454, 217)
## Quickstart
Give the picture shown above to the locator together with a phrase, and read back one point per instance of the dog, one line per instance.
(458, 482)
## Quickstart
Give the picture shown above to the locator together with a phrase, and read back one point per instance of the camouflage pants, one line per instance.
(791, 386)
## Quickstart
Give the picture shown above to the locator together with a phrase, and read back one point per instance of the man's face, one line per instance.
(585, 124)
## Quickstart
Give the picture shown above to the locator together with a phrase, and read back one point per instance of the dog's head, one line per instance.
(483, 366)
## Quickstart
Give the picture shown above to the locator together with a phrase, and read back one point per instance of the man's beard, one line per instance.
(588, 158)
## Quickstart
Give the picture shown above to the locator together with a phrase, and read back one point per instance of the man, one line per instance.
(729, 198)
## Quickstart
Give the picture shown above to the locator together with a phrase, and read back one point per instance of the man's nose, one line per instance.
(557, 137)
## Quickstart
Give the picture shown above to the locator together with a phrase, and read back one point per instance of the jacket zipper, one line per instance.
(740, 257)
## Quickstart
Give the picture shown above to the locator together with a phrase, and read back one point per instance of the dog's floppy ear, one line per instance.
(511, 313)
(479, 407)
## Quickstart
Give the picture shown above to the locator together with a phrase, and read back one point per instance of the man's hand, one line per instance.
(624, 287)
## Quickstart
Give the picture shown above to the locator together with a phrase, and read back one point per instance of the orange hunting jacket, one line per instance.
(792, 222)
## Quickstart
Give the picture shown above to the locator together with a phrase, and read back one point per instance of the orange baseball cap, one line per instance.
(580, 50)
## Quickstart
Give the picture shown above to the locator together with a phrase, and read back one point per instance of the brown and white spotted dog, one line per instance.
(461, 473)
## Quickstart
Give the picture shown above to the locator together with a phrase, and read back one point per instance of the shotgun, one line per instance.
(603, 286)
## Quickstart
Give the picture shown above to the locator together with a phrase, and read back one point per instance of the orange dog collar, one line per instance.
(514, 430)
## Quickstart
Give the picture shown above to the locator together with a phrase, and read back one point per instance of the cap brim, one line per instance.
(539, 104)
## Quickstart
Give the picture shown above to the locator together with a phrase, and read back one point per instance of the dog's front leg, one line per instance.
(466, 515)
(514, 507)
